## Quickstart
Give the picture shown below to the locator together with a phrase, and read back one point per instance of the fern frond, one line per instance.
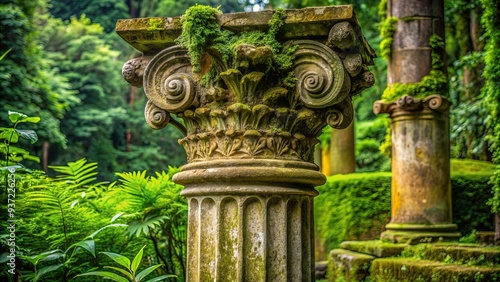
(77, 173)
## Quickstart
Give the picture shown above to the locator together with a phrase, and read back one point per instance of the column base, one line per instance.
(420, 233)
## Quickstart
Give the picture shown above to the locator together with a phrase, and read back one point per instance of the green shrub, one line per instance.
(352, 207)
(357, 206)
(369, 135)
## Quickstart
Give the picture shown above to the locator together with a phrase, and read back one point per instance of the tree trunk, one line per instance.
(45, 156)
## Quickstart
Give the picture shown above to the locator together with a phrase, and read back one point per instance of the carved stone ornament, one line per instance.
(245, 114)
(250, 128)
(408, 104)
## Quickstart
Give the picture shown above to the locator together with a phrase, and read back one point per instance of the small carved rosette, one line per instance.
(248, 113)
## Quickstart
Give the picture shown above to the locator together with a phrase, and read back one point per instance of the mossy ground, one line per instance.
(424, 262)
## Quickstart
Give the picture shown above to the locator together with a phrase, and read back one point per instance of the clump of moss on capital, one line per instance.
(201, 33)
(435, 82)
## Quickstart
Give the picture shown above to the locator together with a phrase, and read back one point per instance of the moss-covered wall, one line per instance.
(357, 206)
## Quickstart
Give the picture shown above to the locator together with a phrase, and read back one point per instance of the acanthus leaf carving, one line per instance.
(246, 114)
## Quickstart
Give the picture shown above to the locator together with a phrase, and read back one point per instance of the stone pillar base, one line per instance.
(420, 233)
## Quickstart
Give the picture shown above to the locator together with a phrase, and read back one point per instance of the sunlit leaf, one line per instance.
(28, 134)
(16, 116)
(137, 260)
(88, 245)
(160, 278)
(46, 270)
(141, 275)
(118, 215)
(125, 272)
(121, 260)
(106, 274)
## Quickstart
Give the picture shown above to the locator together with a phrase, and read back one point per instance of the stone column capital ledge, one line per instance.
(408, 106)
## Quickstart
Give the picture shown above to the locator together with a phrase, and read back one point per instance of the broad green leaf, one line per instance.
(125, 272)
(10, 135)
(107, 226)
(141, 275)
(88, 245)
(137, 260)
(161, 278)
(31, 119)
(53, 256)
(17, 150)
(32, 158)
(35, 258)
(121, 260)
(117, 216)
(106, 274)
(28, 134)
(15, 116)
(46, 270)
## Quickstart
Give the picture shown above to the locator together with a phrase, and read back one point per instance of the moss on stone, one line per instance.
(199, 30)
(155, 24)
(387, 30)
(455, 253)
(202, 33)
(375, 248)
(349, 266)
(410, 269)
(435, 82)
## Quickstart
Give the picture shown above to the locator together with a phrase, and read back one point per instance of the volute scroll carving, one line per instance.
(244, 105)
(168, 81)
(322, 80)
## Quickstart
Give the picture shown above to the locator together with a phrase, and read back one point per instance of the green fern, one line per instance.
(78, 173)
(64, 193)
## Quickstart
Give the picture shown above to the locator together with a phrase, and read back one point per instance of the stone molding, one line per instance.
(245, 115)
(411, 106)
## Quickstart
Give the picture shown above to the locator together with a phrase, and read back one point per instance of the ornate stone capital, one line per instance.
(244, 110)
(408, 105)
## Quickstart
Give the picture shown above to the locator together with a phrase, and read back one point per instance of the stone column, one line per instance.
(342, 160)
(420, 189)
(249, 137)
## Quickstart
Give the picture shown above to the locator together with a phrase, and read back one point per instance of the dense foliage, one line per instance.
(491, 20)
(357, 206)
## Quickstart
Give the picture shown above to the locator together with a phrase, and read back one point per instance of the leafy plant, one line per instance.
(12, 155)
(128, 270)
(63, 259)
(58, 196)
(156, 210)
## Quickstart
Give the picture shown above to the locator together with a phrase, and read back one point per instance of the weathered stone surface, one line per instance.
(150, 35)
(342, 159)
(348, 265)
(417, 8)
(250, 136)
(409, 270)
(377, 248)
(420, 188)
(403, 67)
(413, 34)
